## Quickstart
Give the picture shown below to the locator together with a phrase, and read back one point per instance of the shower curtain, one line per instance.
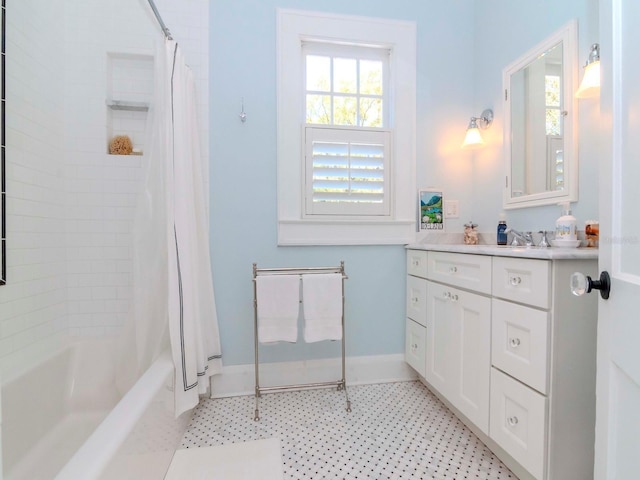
(173, 302)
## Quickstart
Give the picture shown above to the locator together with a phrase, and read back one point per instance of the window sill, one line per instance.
(332, 232)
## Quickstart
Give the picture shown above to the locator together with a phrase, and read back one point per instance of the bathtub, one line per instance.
(64, 419)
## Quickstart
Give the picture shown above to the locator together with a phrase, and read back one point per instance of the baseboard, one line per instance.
(240, 379)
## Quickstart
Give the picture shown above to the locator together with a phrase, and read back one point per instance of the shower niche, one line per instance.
(129, 92)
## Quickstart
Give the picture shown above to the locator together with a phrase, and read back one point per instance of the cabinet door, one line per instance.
(416, 299)
(518, 422)
(440, 339)
(417, 263)
(458, 349)
(520, 342)
(415, 343)
(472, 327)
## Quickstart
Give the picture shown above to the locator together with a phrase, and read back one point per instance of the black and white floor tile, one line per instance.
(394, 431)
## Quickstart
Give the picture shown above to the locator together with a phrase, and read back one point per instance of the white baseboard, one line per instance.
(240, 379)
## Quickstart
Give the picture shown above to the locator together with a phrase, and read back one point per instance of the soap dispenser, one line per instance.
(566, 225)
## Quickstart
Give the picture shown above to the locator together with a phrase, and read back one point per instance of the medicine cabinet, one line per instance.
(541, 165)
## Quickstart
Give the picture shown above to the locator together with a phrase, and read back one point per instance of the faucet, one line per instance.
(544, 242)
(525, 238)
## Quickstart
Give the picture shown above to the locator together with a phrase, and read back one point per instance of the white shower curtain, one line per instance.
(193, 324)
(173, 301)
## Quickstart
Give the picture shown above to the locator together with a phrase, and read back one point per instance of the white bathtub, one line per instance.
(64, 419)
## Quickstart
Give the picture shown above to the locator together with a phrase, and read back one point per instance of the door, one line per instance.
(618, 378)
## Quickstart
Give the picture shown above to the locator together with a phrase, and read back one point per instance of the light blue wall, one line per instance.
(463, 45)
(505, 29)
(243, 166)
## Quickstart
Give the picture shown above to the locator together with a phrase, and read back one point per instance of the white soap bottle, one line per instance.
(566, 225)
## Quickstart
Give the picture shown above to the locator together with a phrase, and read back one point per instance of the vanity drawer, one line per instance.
(472, 272)
(522, 280)
(417, 263)
(518, 420)
(520, 343)
(415, 346)
(417, 299)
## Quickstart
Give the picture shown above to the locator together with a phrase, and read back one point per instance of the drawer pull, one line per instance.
(514, 342)
(450, 296)
(414, 300)
(515, 281)
(512, 421)
(453, 269)
(415, 262)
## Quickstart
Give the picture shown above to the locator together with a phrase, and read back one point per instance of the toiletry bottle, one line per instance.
(566, 225)
(502, 227)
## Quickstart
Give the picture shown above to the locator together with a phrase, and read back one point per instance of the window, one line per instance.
(347, 154)
(553, 127)
(552, 102)
(347, 85)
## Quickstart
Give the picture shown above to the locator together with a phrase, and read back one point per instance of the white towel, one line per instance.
(322, 306)
(278, 299)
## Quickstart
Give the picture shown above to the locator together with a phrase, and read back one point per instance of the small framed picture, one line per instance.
(430, 210)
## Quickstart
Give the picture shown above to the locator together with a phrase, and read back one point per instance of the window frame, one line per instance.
(294, 28)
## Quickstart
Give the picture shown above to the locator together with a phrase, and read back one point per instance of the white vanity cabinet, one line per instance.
(512, 350)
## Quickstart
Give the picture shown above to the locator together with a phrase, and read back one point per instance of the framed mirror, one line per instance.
(541, 166)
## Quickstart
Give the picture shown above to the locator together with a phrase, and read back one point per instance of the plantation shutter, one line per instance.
(347, 171)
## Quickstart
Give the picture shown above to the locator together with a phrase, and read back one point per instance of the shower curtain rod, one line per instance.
(164, 28)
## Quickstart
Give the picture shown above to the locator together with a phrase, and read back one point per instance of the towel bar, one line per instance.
(340, 384)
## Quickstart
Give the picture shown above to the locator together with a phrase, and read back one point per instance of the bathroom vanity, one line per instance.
(497, 335)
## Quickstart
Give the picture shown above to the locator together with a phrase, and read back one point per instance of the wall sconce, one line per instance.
(473, 138)
(590, 86)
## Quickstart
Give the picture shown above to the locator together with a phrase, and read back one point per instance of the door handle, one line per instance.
(581, 284)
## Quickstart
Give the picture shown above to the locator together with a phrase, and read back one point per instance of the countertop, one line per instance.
(549, 253)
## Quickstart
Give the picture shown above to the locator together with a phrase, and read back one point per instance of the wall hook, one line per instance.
(243, 116)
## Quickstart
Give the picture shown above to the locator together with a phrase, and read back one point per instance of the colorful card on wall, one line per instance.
(430, 208)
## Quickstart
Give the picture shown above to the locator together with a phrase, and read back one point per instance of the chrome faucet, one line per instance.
(526, 238)
(544, 241)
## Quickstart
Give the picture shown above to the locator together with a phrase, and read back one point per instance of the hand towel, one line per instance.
(278, 299)
(322, 306)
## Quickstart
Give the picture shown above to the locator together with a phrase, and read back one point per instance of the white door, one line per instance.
(618, 380)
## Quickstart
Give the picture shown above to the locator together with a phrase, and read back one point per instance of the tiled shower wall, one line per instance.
(32, 303)
(70, 204)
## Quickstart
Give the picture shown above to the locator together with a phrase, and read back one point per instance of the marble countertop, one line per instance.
(550, 253)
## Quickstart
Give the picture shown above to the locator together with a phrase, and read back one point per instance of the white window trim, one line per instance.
(294, 27)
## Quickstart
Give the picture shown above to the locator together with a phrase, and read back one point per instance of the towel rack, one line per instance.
(340, 384)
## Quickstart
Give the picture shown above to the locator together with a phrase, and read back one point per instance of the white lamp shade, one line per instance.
(590, 86)
(472, 138)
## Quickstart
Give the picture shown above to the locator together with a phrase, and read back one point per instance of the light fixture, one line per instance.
(590, 86)
(473, 138)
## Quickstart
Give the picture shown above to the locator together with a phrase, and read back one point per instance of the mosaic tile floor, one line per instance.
(395, 431)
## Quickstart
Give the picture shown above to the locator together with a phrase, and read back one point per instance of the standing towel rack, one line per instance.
(340, 384)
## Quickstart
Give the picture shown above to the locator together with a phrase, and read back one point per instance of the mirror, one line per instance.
(540, 115)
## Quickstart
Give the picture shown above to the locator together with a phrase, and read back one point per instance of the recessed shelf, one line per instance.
(126, 105)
